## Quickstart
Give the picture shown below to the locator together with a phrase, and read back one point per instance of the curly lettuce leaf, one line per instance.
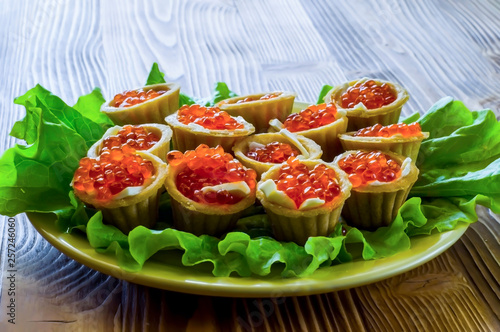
(244, 255)
(462, 155)
(37, 175)
(324, 90)
(155, 75)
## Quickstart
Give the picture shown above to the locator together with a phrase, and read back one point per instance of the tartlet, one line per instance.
(259, 109)
(406, 145)
(308, 123)
(209, 190)
(206, 125)
(161, 145)
(375, 202)
(315, 216)
(132, 206)
(149, 111)
(304, 147)
(359, 115)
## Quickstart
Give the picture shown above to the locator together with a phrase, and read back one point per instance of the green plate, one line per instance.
(165, 271)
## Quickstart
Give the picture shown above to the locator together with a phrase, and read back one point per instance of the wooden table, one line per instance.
(433, 48)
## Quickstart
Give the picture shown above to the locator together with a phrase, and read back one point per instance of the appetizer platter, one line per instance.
(256, 195)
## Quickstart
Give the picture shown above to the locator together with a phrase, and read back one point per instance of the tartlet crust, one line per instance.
(188, 137)
(131, 211)
(260, 112)
(327, 136)
(160, 149)
(151, 111)
(360, 117)
(296, 225)
(242, 146)
(405, 146)
(198, 218)
(372, 206)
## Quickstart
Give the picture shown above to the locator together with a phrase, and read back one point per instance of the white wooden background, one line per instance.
(433, 48)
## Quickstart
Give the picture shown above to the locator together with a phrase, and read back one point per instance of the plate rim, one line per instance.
(173, 278)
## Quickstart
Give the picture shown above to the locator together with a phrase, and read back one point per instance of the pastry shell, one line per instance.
(140, 209)
(160, 149)
(298, 225)
(241, 147)
(327, 136)
(188, 137)
(260, 112)
(150, 111)
(404, 146)
(360, 117)
(376, 205)
(198, 218)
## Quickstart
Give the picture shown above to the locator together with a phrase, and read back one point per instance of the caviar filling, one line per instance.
(210, 167)
(264, 97)
(402, 129)
(366, 167)
(134, 136)
(207, 117)
(300, 183)
(312, 117)
(370, 93)
(134, 97)
(110, 173)
(274, 152)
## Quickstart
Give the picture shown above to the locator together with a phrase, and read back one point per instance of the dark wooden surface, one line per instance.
(433, 48)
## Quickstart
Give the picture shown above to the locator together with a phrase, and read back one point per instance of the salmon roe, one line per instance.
(299, 182)
(387, 131)
(134, 136)
(370, 93)
(264, 97)
(209, 167)
(134, 97)
(366, 167)
(274, 152)
(110, 173)
(312, 117)
(207, 117)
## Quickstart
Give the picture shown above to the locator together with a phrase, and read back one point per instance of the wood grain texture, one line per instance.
(433, 48)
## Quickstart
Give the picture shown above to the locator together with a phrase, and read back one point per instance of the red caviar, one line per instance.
(209, 167)
(114, 170)
(366, 167)
(312, 117)
(370, 93)
(134, 97)
(264, 97)
(301, 183)
(387, 131)
(207, 117)
(274, 152)
(134, 136)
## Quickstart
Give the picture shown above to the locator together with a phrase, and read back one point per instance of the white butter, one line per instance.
(276, 124)
(311, 203)
(240, 188)
(276, 196)
(406, 167)
(293, 138)
(255, 146)
(132, 191)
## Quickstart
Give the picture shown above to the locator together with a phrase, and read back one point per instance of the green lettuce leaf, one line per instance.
(155, 75)
(462, 155)
(37, 176)
(323, 92)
